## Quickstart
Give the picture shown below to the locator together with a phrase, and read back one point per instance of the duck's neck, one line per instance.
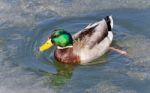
(66, 55)
(58, 47)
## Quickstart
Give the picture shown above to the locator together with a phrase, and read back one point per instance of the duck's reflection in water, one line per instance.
(63, 74)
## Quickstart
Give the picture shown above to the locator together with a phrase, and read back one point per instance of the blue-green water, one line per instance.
(25, 24)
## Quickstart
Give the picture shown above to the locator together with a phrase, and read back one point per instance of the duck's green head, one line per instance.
(60, 38)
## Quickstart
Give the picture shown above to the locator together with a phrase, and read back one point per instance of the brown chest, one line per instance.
(66, 56)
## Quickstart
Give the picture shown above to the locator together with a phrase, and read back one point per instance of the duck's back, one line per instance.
(94, 40)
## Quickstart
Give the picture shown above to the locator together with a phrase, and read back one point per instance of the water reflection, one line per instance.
(64, 74)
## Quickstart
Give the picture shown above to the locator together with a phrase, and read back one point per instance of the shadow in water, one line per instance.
(63, 74)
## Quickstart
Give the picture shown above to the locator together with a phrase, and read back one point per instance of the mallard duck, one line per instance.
(84, 46)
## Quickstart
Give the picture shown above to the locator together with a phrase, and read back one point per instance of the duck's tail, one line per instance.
(109, 21)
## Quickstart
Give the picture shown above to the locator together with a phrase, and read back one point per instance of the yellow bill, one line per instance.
(48, 44)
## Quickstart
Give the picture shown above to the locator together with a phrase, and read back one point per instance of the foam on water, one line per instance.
(16, 79)
(138, 48)
(107, 87)
(28, 12)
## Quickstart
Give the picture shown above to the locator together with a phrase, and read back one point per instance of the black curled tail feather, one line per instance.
(109, 21)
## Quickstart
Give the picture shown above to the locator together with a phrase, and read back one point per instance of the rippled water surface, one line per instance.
(25, 24)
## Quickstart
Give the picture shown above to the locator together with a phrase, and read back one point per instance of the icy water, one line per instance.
(26, 24)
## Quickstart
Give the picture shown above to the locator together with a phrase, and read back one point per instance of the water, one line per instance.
(25, 24)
